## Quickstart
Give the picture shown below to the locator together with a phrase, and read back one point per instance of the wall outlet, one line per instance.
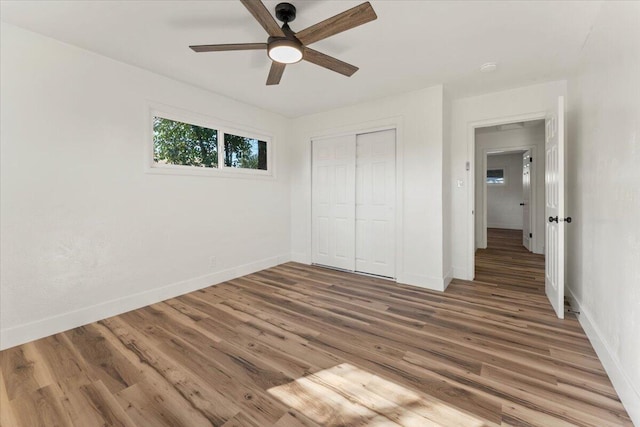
(213, 262)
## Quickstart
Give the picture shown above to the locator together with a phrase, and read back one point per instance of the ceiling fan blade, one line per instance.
(275, 73)
(329, 62)
(223, 47)
(264, 18)
(346, 20)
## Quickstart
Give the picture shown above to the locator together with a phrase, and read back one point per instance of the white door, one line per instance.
(333, 202)
(375, 203)
(554, 202)
(526, 200)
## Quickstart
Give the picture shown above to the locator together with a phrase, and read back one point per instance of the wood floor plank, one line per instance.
(105, 363)
(207, 401)
(6, 412)
(40, 408)
(94, 404)
(294, 419)
(18, 372)
(345, 384)
(298, 345)
(158, 405)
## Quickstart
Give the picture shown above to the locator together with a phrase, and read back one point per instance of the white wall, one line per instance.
(528, 136)
(525, 103)
(603, 191)
(85, 232)
(503, 201)
(419, 117)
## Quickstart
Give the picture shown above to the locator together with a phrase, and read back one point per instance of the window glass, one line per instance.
(245, 153)
(495, 176)
(178, 143)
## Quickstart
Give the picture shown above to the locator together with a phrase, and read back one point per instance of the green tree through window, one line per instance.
(246, 153)
(179, 143)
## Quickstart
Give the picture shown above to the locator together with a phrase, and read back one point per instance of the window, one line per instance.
(177, 143)
(184, 144)
(246, 153)
(495, 176)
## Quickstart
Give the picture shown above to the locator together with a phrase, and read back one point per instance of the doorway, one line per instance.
(553, 171)
(509, 201)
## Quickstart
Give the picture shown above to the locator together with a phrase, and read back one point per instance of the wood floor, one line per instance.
(507, 263)
(303, 346)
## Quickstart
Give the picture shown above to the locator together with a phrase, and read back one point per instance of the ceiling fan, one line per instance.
(287, 47)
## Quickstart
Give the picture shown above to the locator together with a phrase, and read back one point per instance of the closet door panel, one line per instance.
(375, 203)
(333, 202)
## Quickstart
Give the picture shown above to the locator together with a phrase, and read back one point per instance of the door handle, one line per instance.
(521, 204)
(558, 220)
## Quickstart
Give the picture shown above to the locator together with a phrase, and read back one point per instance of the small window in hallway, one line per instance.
(495, 177)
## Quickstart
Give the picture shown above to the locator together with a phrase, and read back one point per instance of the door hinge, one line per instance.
(530, 235)
(530, 159)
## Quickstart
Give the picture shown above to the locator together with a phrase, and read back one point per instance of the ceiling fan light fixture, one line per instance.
(285, 51)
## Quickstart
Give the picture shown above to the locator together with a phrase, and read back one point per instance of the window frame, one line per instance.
(504, 176)
(222, 128)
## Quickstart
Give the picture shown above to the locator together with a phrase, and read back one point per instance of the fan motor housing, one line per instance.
(286, 12)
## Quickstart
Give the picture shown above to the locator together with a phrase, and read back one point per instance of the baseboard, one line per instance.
(448, 278)
(461, 273)
(505, 226)
(301, 257)
(21, 334)
(433, 283)
(629, 395)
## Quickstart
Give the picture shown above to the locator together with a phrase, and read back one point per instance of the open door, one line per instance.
(554, 202)
(526, 200)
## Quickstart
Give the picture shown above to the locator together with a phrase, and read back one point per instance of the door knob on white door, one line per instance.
(556, 219)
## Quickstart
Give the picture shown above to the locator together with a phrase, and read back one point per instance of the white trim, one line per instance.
(222, 127)
(459, 272)
(447, 279)
(471, 158)
(425, 282)
(301, 257)
(21, 334)
(505, 226)
(627, 392)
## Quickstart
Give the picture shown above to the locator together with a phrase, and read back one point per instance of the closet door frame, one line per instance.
(394, 123)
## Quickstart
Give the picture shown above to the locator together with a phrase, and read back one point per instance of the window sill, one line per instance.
(208, 172)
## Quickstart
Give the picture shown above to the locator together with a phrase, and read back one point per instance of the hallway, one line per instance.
(508, 264)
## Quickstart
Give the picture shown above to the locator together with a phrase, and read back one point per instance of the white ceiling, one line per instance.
(412, 44)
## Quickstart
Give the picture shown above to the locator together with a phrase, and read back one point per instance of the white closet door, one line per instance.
(333, 202)
(375, 203)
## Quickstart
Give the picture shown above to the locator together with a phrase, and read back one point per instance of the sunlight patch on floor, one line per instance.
(347, 395)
